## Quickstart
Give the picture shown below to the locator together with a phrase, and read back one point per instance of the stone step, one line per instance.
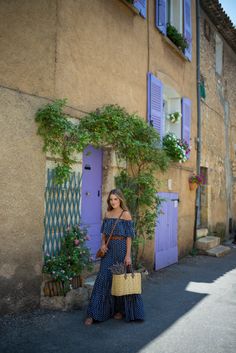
(207, 243)
(218, 251)
(202, 232)
(89, 283)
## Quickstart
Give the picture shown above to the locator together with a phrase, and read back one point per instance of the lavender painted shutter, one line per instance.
(161, 15)
(155, 103)
(188, 28)
(141, 6)
(186, 120)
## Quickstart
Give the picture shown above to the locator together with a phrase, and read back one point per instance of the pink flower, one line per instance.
(76, 242)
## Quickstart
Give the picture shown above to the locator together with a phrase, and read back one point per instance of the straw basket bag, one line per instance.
(125, 284)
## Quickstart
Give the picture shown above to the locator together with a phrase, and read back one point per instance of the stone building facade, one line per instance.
(93, 53)
(218, 114)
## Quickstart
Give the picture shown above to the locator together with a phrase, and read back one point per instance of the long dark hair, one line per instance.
(118, 193)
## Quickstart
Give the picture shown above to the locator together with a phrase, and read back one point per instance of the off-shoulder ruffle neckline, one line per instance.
(121, 219)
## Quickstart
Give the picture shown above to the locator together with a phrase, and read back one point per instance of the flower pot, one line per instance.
(193, 186)
(54, 288)
(77, 282)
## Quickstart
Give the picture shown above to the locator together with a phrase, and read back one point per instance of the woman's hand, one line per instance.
(127, 260)
(104, 248)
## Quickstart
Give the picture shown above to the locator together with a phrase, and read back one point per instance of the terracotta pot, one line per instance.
(193, 186)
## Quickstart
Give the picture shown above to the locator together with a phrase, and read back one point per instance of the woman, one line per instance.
(102, 304)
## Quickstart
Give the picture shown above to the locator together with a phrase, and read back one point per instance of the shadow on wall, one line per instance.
(20, 291)
(219, 230)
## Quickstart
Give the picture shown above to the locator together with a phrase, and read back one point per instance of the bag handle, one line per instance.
(132, 271)
(113, 228)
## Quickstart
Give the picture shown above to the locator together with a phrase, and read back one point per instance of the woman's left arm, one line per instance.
(127, 260)
(128, 251)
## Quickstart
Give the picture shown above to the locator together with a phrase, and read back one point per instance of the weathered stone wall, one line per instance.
(218, 127)
(22, 173)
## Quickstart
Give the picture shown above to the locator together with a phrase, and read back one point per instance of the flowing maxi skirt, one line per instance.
(102, 304)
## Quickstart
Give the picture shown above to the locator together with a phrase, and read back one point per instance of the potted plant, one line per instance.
(177, 149)
(174, 117)
(195, 180)
(66, 268)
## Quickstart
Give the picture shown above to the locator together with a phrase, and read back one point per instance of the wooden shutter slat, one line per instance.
(186, 120)
(155, 103)
(141, 5)
(161, 15)
(188, 28)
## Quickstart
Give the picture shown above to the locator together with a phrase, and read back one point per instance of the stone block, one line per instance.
(52, 303)
(207, 243)
(76, 298)
(202, 232)
(218, 251)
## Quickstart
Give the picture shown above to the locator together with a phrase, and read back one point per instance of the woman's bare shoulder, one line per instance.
(127, 216)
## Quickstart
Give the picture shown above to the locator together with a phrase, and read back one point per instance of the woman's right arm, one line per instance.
(103, 242)
(103, 239)
(103, 245)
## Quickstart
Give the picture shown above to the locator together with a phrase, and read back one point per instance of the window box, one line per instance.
(176, 37)
(174, 47)
(174, 17)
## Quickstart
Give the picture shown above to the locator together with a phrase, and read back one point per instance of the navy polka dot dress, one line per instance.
(102, 304)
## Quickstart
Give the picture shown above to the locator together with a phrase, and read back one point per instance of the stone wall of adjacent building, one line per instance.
(218, 111)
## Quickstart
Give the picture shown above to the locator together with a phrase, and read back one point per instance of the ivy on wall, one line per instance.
(129, 136)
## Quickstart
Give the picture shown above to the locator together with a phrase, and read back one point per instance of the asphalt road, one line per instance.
(190, 308)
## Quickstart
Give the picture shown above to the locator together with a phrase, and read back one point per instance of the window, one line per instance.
(176, 13)
(218, 54)
(164, 100)
(172, 104)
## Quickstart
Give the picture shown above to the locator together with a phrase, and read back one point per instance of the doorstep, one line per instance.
(218, 251)
(207, 243)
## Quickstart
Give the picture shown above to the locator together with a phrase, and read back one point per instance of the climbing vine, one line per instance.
(129, 136)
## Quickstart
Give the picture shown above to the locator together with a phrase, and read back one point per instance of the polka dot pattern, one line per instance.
(102, 304)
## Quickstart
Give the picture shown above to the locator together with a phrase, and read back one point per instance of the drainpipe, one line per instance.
(199, 137)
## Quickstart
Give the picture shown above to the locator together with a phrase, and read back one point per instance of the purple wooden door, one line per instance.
(91, 204)
(166, 234)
